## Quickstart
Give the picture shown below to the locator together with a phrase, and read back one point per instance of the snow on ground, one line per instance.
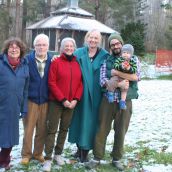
(152, 115)
(151, 121)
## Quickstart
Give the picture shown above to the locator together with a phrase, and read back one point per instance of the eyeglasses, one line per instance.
(41, 45)
(116, 44)
(14, 48)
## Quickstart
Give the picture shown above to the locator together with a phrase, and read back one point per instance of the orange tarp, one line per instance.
(164, 60)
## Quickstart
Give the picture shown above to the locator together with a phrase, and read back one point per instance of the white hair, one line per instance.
(64, 42)
(89, 33)
(41, 36)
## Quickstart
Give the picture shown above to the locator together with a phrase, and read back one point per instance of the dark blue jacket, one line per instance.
(38, 87)
(13, 99)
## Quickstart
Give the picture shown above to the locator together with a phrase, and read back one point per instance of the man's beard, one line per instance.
(116, 52)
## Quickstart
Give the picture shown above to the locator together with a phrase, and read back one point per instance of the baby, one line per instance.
(126, 63)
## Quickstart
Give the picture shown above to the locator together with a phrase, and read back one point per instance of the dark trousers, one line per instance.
(5, 156)
(81, 154)
(108, 113)
(58, 117)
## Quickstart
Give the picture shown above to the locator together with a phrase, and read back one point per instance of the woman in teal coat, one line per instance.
(14, 80)
(85, 118)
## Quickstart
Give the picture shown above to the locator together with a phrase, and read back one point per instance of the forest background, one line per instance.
(146, 24)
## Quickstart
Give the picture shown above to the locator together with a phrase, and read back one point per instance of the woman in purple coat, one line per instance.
(14, 79)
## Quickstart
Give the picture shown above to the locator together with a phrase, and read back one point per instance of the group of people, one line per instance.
(81, 91)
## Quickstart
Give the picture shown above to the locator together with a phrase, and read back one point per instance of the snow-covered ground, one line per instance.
(151, 122)
(152, 115)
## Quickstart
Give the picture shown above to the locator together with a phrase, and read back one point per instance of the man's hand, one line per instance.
(54, 57)
(111, 85)
(130, 77)
(114, 72)
(124, 84)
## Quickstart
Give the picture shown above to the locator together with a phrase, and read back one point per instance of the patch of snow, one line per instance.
(152, 115)
(150, 123)
(157, 168)
(151, 71)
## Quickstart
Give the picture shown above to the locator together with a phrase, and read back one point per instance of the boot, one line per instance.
(77, 154)
(84, 155)
(5, 158)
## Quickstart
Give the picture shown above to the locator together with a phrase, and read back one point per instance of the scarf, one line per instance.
(13, 62)
(69, 57)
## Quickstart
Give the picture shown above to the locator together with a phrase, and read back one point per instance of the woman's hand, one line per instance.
(66, 104)
(73, 104)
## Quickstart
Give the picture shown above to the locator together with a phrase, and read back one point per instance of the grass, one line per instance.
(149, 58)
(165, 77)
(162, 77)
(143, 155)
(134, 159)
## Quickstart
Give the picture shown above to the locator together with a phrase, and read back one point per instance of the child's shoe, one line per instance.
(122, 105)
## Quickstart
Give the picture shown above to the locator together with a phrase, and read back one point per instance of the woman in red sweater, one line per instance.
(65, 84)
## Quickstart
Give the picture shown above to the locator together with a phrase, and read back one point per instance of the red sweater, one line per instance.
(65, 79)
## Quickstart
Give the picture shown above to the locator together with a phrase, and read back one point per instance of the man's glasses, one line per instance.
(41, 45)
(115, 45)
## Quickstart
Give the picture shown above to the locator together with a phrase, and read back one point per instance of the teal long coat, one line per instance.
(85, 118)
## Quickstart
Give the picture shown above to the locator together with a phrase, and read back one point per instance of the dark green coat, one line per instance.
(85, 118)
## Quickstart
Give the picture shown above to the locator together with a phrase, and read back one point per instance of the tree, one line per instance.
(168, 35)
(5, 22)
(17, 18)
(34, 11)
(110, 12)
(123, 12)
(168, 32)
(47, 8)
(133, 33)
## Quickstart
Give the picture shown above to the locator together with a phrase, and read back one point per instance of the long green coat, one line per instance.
(85, 118)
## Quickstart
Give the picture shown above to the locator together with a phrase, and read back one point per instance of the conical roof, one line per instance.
(73, 11)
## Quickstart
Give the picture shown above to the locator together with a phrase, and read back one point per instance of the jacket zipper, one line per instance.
(70, 94)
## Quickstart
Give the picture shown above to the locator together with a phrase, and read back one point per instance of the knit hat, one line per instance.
(115, 36)
(128, 48)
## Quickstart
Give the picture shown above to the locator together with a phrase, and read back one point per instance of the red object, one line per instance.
(126, 64)
(65, 79)
(164, 60)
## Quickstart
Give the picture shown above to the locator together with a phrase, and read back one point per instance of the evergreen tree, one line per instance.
(5, 25)
(133, 33)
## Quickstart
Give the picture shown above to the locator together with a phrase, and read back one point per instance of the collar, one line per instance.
(41, 60)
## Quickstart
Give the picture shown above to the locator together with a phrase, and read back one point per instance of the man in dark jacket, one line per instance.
(110, 111)
(39, 62)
